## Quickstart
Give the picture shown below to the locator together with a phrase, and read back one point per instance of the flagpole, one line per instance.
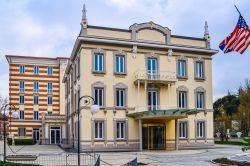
(237, 9)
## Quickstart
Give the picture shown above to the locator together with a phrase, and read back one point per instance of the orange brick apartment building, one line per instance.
(35, 90)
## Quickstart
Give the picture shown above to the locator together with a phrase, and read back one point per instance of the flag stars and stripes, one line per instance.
(238, 40)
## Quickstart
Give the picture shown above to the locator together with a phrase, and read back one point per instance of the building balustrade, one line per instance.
(155, 76)
(54, 118)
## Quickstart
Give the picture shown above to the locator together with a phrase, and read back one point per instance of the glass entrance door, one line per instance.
(153, 137)
(36, 134)
(152, 100)
(55, 135)
(152, 68)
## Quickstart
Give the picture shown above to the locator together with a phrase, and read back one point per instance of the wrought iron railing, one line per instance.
(159, 75)
(68, 159)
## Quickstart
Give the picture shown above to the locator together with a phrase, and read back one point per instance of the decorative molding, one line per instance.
(182, 88)
(150, 25)
(199, 89)
(170, 54)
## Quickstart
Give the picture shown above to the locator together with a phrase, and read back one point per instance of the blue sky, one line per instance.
(50, 27)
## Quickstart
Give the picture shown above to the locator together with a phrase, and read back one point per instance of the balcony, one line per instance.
(155, 76)
(54, 119)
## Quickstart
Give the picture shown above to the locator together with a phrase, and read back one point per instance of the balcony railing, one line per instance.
(55, 118)
(155, 75)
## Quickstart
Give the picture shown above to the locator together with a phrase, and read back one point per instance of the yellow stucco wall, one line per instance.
(168, 95)
(151, 35)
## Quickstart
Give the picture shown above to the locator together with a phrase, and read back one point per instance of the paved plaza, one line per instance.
(199, 157)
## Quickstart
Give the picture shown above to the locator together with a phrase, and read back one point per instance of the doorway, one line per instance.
(36, 134)
(152, 100)
(152, 68)
(55, 135)
(153, 137)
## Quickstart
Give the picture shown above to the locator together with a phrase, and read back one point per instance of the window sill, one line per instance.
(99, 72)
(98, 139)
(200, 78)
(182, 78)
(121, 108)
(120, 139)
(120, 74)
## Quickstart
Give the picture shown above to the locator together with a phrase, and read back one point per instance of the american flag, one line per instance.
(238, 40)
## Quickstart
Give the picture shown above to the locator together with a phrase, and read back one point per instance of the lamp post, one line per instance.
(5, 115)
(94, 109)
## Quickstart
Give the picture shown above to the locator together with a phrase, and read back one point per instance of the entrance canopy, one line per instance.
(163, 114)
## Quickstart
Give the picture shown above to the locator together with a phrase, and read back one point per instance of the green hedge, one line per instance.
(247, 139)
(15, 164)
(22, 141)
(240, 143)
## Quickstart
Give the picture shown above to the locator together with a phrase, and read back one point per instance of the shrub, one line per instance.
(240, 143)
(247, 139)
(22, 141)
(15, 164)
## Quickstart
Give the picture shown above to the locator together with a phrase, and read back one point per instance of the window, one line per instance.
(182, 68)
(199, 72)
(50, 88)
(120, 64)
(120, 130)
(21, 86)
(75, 74)
(183, 129)
(182, 99)
(78, 67)
(36, 99)
(99, 130)
(200, 100)
(49, 100)
(21, 99)
(120, 97)
(50, 70)
(21, 132)
(49, 113)
(22, 69)
(36, 115)
(36, 87)
(98, 96)
(152, 65)
(98, 63)
(21, 115)
(36, 70)
(200, 129)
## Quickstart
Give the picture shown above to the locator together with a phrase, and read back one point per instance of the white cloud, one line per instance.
(123, 3)
(23, 34)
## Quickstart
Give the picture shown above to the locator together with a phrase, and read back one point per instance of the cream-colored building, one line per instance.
(154, 88)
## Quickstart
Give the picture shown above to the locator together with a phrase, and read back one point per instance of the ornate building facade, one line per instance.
(154, 90)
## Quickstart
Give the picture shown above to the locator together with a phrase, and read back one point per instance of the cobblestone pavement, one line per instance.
(199, 157)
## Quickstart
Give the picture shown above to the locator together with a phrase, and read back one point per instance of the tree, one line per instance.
(243, 115)
(230, 104)
(3, 102)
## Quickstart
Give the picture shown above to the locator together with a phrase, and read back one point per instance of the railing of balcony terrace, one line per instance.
(168, 76)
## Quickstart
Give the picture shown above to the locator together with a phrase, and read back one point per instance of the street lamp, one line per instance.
(94, 109)
(5, 115)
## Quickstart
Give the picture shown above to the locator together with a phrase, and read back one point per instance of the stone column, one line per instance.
(140, 134)
(176, 134)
